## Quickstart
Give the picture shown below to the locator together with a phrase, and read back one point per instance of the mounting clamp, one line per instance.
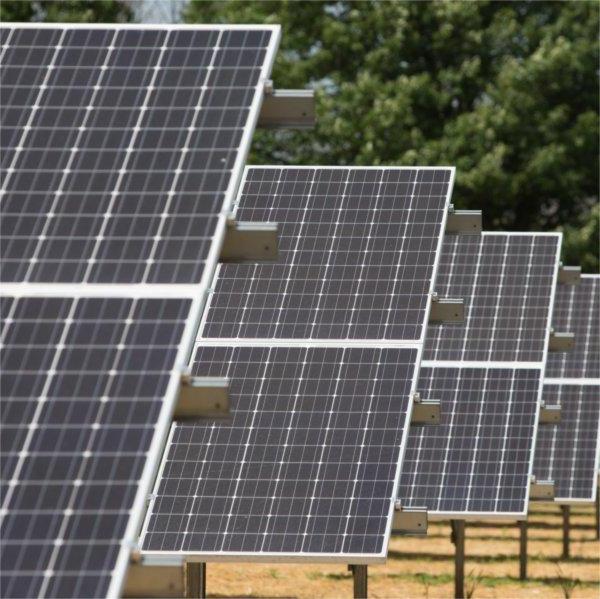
(250, 242)
(559, 342)
(463, 222)
(569, 275)
(549, 414)
(287, 108)
(201, 397)
(446, 310)
(541, 490)
(409, 521)
(152, 581)
(425, 411)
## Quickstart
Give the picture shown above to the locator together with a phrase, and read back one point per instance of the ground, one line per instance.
(423, 567)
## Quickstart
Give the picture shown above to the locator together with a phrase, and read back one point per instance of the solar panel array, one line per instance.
(569, 454)
(309, 463)
(487, 373)
(122, 147)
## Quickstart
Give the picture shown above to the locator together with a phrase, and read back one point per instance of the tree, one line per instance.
(583, 234)
(71, 11)
(507, 92)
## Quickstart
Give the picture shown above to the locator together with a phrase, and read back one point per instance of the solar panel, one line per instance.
(568, 453)
(307, 465)
(83, 387)
(487, 373)
(357, 255)
(577, 310)
(507, 282)
(477, 461)
(121, 146)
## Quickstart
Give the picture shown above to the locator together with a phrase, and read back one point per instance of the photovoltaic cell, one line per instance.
(568, 453)
(357, 251)
(119, 145)
(506, 282)
(307, 464)
(477, 460)
(577, 310)
(83, 382)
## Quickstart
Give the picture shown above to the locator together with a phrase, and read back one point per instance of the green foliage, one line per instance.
(70, 11)
(580, 237)
(507, 92)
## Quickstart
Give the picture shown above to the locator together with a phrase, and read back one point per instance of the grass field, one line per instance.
(424, 567)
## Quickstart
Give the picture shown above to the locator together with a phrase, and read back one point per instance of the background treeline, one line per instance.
(506, 91)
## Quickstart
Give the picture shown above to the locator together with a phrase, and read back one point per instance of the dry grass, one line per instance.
(424, 567)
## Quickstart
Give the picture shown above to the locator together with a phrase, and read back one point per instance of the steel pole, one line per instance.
(458, 538)
(566, 529)
(523, 549)
(360, 575)
(194, 580)
(597, 514)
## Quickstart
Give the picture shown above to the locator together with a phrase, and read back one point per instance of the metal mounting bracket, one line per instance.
(250, 242)
(287, 108)
(569, 275)
(463, 222)
(425, 411)
(409, 521)
(152, 581)
(541, 490)
(549, 414)
(561, 341)
(445, 309)
(201, 397)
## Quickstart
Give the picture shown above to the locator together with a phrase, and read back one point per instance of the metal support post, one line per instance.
(194, 580)
(458, 538)
(598, 514)
(566, 526)
(359, 575)
(523, 550)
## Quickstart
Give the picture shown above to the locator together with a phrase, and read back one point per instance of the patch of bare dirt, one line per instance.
(425, 567)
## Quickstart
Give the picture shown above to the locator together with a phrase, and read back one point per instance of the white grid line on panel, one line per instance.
(497, 306)
(42, 398)
(182, 156)
(34, 109)
(128, 153)
(330, 250)
(505, 437)
(72, 150)
(469, 486)
(87, 452)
